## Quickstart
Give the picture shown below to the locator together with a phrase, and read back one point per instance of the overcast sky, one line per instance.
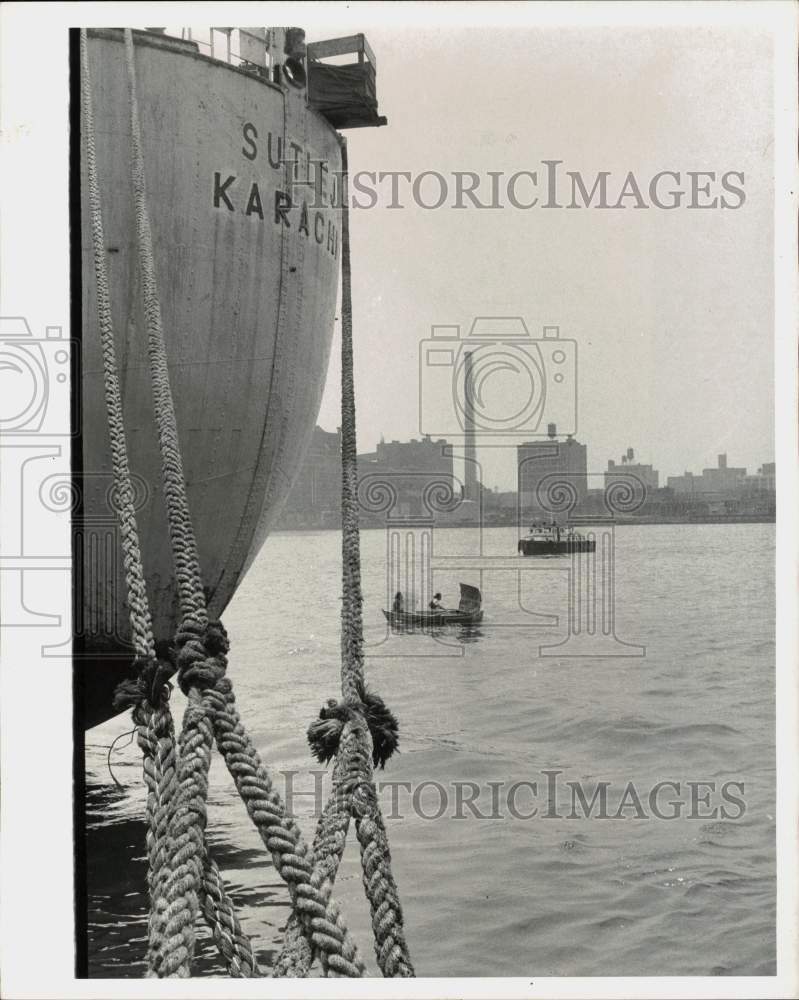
(671, 310)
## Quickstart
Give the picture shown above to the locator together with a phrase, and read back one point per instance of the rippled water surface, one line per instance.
(488, 888)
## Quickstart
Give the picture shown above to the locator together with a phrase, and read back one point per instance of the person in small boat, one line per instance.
(435, 604)
(396, 607)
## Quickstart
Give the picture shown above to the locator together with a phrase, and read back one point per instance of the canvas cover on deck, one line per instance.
(345, 95)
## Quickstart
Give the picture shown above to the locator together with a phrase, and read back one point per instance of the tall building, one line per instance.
(545, 465)
(409, 468)
(412, 456)
(723, 479)
(763, 481)
(627, 468)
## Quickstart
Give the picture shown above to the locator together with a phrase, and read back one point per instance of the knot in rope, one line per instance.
(147, 691)
(202, 653)
(324, 733)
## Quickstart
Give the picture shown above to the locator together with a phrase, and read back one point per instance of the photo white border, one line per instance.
(36, 861)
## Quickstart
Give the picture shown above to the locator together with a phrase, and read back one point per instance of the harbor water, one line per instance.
(502, 869)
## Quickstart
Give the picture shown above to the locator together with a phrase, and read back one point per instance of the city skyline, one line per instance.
(422, 478)
(597, 471)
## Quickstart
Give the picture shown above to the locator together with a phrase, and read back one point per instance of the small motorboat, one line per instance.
(468, 612)
(552, 540)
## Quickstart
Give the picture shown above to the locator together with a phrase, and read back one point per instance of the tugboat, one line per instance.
(552, 540)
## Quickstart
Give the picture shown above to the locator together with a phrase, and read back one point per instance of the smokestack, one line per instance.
(723, 461)
(552, 431)
(630, 454)
(470, 450)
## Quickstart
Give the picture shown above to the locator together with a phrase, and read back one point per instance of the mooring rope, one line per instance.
(233, 943)
(211, 712)
(184, 546)
(359, 731)
(140, 620)
(151, 715)
(352, 679)
(148, 694)
(369, 729)
(173, 928)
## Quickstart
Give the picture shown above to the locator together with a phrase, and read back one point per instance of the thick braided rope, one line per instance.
(202, 663)
(185, 836)
(390, 946)
(156, 739)
(155, 729)
(330, 838)
(140, 620)
(354, 795)
(231, 940)
(176, 911)
(352, 597)
(178, 904)
(184, 546)
(212, 712)
(154, 722)
(296, 957)
(357, 794)
(353, 779)
(186, 833)
(318, 914)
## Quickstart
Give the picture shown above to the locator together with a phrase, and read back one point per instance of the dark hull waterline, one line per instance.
(431, 619)
(545, 547)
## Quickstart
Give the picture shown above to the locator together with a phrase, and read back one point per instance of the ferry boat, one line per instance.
(552, 540)
(242, 159)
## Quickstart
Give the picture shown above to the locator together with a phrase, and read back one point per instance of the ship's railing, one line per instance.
(215, 42)
(351, 45)
(246, 47)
